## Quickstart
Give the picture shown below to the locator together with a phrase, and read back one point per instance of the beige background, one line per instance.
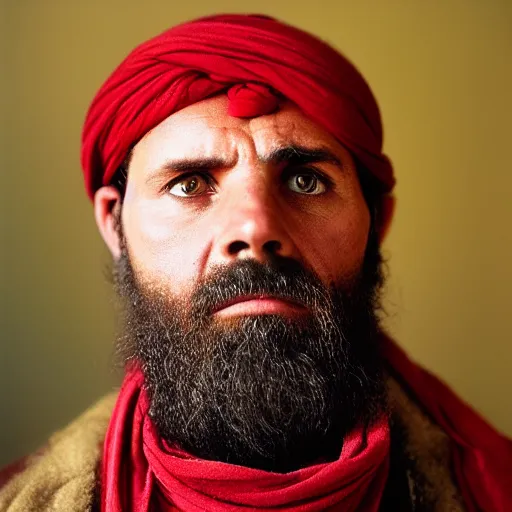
(442, 72)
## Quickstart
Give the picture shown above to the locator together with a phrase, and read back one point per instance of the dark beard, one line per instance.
(265, 391)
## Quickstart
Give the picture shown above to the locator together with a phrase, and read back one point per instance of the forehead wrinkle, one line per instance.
(213, 133)
(217, 141)
(221, 143)
(287, 128)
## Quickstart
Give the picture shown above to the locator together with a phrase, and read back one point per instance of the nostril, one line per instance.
(237, 246)
(272, 246)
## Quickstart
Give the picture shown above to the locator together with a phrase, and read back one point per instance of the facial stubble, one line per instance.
(264, 391)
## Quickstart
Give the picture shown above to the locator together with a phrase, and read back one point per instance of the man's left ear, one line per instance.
(107, 204)
(385, 216)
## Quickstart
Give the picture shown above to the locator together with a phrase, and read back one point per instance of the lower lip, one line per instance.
(261, 307)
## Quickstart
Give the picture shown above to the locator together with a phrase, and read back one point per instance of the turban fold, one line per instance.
(254, 59)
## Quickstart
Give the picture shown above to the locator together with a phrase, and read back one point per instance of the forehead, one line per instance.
(206, 129)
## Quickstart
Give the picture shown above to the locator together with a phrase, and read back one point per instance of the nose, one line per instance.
(253, 227)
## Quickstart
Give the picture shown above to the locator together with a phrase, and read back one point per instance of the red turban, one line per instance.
(253, 59)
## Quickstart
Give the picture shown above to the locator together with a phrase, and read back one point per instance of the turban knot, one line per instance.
(251, 100)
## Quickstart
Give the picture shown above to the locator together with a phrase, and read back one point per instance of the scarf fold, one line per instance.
(481, 456)
(139, 468)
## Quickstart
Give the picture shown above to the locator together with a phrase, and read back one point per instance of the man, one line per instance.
(236, 169)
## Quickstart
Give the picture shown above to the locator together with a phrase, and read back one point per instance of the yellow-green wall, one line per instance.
(442, 71)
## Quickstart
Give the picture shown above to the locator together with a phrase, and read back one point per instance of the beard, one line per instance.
(260, 391)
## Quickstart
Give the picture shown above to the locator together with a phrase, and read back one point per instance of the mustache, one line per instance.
(282, 278)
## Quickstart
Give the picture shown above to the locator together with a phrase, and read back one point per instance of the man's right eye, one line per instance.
(189, 186)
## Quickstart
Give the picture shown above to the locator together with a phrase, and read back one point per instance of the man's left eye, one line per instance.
(306, 183)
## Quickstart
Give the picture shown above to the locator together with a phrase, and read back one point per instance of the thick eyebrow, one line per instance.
(293, 154)
(195, 164)
(297, 155)
(180, 165)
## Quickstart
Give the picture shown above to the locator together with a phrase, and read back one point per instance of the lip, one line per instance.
(259, 305)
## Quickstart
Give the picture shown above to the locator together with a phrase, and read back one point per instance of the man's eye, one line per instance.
(189, 186)
(306, 183)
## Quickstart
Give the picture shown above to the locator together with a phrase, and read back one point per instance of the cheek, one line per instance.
(335, 244)
(165, 248)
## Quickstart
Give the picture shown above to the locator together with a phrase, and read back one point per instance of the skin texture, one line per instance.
(254, 208)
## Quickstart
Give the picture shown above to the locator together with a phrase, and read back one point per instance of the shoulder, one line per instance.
(61, 476)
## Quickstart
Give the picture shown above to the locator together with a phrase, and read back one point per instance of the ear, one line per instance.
(107, 203)
(386, 213)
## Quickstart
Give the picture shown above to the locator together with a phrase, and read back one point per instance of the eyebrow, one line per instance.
(300, 155)
(292, 154)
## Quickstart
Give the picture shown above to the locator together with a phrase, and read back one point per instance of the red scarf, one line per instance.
(139, 469)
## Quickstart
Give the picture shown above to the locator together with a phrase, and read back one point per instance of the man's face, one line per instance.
(236, 196)
(250, 278)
